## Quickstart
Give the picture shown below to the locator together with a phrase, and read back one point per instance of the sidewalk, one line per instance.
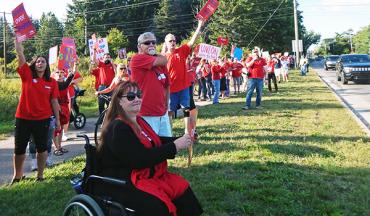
(74, 145)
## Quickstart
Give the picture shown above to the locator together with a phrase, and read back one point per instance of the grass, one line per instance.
(303, 154)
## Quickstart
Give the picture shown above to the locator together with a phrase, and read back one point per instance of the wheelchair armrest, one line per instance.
(108, 180)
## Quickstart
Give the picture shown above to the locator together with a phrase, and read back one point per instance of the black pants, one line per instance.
(102, 103)
(271, 76)
(39, 130)
(204, 87)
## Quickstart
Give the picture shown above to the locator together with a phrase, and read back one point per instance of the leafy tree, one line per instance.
(76, 30)
(361, 40)
(309, 38)
(116, 40)
(9, 42)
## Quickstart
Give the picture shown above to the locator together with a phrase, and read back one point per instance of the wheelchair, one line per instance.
(88, 201)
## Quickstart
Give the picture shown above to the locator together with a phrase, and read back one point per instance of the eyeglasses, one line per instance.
(122, 68)
(149, 42)
(131, 95)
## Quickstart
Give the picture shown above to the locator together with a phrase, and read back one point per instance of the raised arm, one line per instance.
(160, 61)
(19, 49)
(196, 34)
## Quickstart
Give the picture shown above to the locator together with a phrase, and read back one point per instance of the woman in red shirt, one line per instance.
(37, 103)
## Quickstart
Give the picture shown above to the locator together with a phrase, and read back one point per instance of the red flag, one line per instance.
(222, 41)
(208, 9)
(22, 24)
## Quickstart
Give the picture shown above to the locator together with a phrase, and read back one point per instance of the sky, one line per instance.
(322, 16)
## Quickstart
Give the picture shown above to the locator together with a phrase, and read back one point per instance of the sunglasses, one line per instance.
(123, 68)
(131, 95)
(149, 42)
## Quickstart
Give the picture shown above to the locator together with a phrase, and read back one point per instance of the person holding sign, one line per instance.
(176, 66)
(37, 103)
(121, 75)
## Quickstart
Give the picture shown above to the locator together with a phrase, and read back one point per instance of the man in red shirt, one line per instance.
(148, 70)
(106, 74)
(255, 78)
(176, 66)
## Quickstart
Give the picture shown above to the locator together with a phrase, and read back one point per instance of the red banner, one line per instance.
(208, 9)
(67, 56)
(222, 41)
(22, 24)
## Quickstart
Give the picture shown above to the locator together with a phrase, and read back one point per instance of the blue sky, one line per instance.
(322, 16)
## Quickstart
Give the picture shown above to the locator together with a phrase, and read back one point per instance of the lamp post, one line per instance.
(296, 34)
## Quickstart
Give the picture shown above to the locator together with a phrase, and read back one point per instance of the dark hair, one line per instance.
(115, 109)
(33, 68)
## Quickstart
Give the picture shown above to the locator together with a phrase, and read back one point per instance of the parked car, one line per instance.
(353, 67)
(330, 62)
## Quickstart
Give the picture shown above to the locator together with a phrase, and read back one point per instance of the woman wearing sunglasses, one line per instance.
(132, 151)
(37, 103)
(121, 75)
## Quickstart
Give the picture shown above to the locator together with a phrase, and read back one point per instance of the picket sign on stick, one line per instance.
(53, 55)
(67, 53)
(22, 24)
(207, 10)
(208, 52)
(101, 46)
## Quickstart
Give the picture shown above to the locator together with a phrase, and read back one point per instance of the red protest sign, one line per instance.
(66, 57)
(222, 41)
(208, 9)
(22, 24)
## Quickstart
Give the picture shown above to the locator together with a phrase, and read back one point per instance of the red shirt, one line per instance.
(176, 66)
(153, 82)
(71, 89)
(236, 70)
(95, 73)
(256, 70)
(35, 100)
(271, 66)
(106, 73)
(216, 72)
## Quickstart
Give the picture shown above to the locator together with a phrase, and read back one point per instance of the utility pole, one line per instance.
(296, 34)
(86, 45)
(4, 41)
(350, 40)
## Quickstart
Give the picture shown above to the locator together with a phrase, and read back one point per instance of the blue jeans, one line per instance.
(303, 70)
(254, 83)
(216, 84)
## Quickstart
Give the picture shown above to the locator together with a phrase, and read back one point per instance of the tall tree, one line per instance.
(309, 38)
(116, 40)
(49, 34)
(361, 40)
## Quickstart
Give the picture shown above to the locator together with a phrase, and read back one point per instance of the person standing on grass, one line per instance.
(216, 77)
(236, 73)
(271, 74)
(149, 71)
(37, 103)
(256, 72)
(222, 78)
(106, 75)
(176, 66)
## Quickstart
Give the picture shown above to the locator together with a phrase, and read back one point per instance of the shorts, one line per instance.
(277, 71)
(223, 84)
(181, 97)
(64, 115)
(39, 130)
(160, 124)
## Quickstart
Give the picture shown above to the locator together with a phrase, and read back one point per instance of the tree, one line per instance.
(76, 30)
(49, 34)
(309, 38)
(116, 40)
(361, 40)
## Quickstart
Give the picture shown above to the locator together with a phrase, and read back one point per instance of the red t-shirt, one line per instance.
(271, 66)
(176, 66)
(71, 89)
(236, 70)
(256, 70)
(35, 100)
(95, 73)
(153, 82)
(223, 72)
(106, 74)
(216, 72)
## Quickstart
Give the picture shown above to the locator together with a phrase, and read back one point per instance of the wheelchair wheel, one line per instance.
(79, 121)
(82, 204)
(98, 126)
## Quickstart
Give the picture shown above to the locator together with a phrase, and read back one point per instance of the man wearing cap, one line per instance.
(255, 65)
(148, 70)
(177, 70)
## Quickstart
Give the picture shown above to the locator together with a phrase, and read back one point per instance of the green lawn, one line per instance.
(303, 154)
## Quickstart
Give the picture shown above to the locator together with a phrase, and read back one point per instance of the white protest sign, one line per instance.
(53, 55)
(265, 54)
(101, 50)
(208, 51)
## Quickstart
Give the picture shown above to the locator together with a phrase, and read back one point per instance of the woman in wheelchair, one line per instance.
(130, 150)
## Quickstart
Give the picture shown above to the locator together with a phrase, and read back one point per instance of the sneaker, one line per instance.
(246, 108)
(49, 161)
(33, 165)
(259, 107)
(64, 138)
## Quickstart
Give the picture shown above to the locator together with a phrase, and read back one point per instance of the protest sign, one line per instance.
(208, 51)
(122, 53)
(67, 56)
(222, 41)
(265, 54)
(22, 24)
(53, 55)
(102, 48)
(238, 53)
(208, 9)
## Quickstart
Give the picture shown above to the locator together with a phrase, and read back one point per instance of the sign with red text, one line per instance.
(208, 9)
(208, 51)
(67, 56)
(101, 45)
(222, 41)
(53, 55)
(22, 24)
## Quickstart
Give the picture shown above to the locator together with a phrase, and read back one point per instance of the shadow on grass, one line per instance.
(298, 150)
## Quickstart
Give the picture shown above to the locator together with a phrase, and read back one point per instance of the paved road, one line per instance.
(355, 96)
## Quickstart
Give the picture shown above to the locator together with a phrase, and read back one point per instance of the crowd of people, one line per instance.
(146, 94)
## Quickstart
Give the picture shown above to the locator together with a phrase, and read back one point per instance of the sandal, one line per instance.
(15, 180)
(39, 179)
(63, 150)
(58, 152)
